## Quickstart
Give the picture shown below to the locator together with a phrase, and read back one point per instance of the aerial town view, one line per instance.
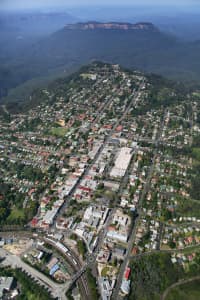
(99, 165)
(99, 183)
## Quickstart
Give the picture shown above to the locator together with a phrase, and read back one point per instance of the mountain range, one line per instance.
(111, 26)
(137, 46)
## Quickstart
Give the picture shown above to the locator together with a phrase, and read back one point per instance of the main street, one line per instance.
(91, 262)
(134, 98)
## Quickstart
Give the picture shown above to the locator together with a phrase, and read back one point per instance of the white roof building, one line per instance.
(125, 287)
(5, 285)
(115, 235)
(122, 162)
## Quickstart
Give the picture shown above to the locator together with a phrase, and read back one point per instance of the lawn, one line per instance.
(16, 214)
(105, 271)
(59, 131)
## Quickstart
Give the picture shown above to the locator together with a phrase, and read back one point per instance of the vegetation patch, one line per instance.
(29, 290)
(151, 275)
(92, 285)
(188, 291)
(81, 248)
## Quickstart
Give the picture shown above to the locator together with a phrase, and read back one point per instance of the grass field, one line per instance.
(187, 207)
(188, 291)
(59, 131)
(16, 214)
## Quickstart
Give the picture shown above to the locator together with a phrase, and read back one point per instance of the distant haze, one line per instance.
(42, 4)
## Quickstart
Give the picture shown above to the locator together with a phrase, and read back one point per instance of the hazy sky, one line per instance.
(30, 4)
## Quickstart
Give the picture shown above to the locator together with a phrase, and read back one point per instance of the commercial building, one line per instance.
(121, 163)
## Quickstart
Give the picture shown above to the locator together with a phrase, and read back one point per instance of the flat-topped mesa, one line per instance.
(111, 25)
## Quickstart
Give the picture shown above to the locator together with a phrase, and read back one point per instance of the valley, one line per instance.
(140, 46)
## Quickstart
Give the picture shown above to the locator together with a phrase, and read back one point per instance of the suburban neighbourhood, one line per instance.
(96, 177)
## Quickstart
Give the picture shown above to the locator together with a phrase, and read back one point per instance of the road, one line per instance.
(145, 190)
(115, 294)
(147, 253)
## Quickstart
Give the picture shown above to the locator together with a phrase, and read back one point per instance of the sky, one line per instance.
(37, 4)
